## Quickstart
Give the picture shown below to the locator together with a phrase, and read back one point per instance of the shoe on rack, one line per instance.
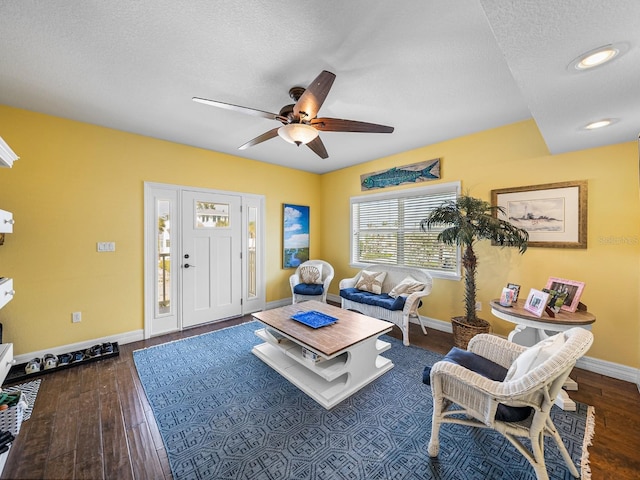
(33, 366)
(50, 361)
(65, 359)
(107, 348)
(77, 356)
(94, 351)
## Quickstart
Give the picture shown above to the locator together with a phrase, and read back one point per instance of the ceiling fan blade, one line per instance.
(238, 108)
(313, 97)
(340, 125)
(261, 138)
(318, 147)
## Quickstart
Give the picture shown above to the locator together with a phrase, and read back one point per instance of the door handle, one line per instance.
(186, 265)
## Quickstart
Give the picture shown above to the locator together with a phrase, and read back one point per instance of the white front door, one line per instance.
(211, 257)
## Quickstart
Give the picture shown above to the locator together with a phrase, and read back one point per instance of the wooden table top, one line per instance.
(351, 327)
(579, 317)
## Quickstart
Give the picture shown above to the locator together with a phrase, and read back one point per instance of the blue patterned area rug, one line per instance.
(224, 414)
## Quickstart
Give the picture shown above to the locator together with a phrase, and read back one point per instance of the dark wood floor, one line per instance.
(94, 422)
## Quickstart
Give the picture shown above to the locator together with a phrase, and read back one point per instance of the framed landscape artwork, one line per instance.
(554, 214)
(295, 235)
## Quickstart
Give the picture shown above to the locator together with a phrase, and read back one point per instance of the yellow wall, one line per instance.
(77, 184)
(514, 156)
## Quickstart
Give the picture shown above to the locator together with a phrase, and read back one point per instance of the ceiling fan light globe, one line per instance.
(298, 133)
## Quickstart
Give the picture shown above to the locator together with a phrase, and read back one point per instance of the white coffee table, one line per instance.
(348, 351)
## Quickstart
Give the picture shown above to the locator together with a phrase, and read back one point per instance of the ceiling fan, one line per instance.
(299, 120)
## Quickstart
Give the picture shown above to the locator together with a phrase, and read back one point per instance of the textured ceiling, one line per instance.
(434, 70)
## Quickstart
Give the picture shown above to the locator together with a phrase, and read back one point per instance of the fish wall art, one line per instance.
(414, 173)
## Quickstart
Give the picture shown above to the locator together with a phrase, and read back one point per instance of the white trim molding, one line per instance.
(122, 339)
(595, 365)
(609, 369)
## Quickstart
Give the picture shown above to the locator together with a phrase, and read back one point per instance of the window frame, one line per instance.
(439, 188)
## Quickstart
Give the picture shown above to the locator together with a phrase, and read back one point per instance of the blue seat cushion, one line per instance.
(379, 300)
(308, 289)
(488, 369)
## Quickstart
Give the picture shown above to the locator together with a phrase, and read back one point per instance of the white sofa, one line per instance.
(349, 296)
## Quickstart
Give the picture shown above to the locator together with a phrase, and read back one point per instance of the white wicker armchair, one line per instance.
(327, 277)
(478, 397)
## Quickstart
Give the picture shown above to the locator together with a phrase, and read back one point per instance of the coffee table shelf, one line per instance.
(329, 369)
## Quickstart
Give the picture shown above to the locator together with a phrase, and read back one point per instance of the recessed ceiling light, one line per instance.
(605, 122)
(597, 56)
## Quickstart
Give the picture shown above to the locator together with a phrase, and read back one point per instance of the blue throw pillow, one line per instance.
(488, 369)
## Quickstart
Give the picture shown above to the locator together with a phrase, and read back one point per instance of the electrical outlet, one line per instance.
(106, 246)
(478, 306)
(76, 317)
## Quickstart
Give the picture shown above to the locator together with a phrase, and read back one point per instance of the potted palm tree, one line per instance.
(469, 220)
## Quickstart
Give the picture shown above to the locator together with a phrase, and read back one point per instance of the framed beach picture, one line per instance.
(536, 302)
(554, 214)
(295, 235)
(572, 288)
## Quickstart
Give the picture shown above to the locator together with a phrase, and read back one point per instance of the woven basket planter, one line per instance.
(463, 332)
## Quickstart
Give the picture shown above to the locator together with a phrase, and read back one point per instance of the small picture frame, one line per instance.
(536, 302)
(556, 299)
(506, 298)
(516, 289)
(571, 287)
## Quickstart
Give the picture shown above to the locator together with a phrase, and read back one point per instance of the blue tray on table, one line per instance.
(314, 319)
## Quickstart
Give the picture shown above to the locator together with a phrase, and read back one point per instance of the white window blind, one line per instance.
(386, 229)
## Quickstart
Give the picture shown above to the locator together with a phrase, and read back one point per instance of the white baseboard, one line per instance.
(435, 324)
(122, 339)
(278, 303)
(595, 365)
(334, 298)
(610, 369)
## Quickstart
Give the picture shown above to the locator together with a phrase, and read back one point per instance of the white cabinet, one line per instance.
(7, 157)
(6, 291)
(6, 349)
(6, 222)
(6, 359)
